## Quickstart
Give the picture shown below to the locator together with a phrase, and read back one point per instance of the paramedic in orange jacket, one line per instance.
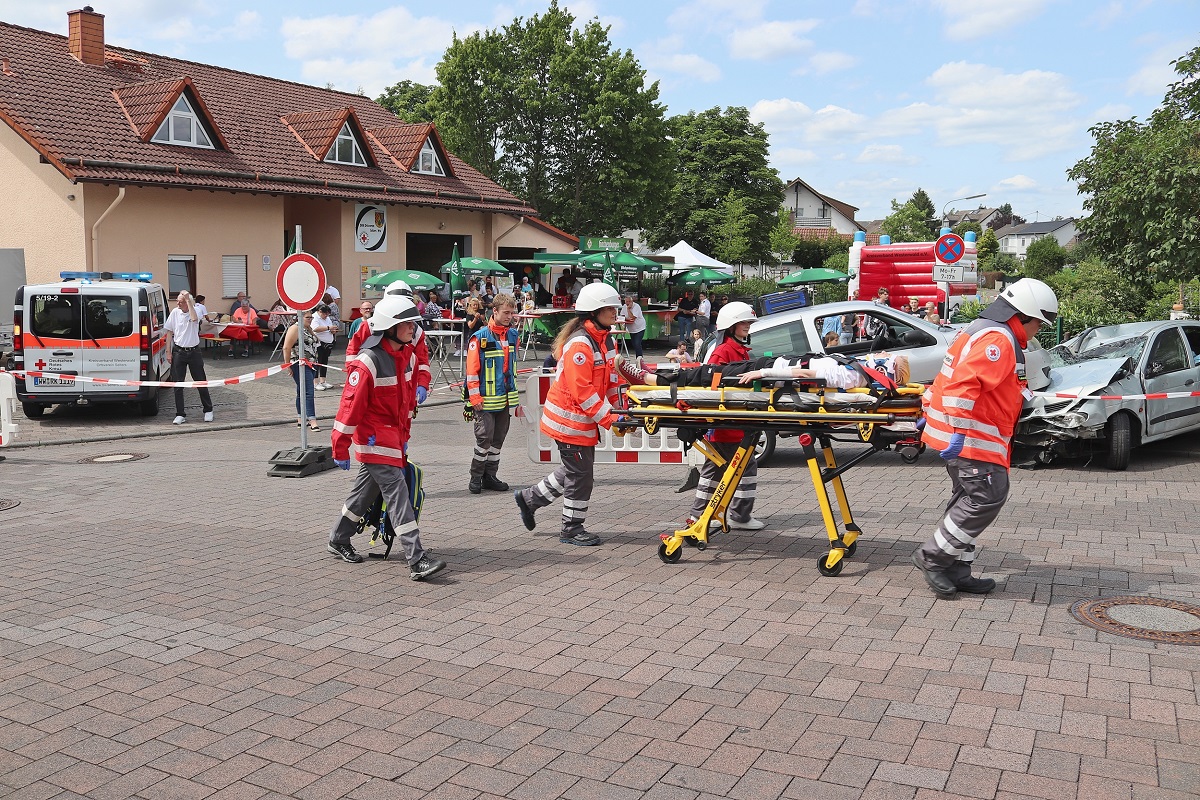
(420, 342)
(970, 413)
(373, 421)
(580, 402)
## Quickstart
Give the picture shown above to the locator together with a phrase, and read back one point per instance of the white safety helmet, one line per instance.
(399, 287)
(596, 296)
(733, 313)
(392, 309)
(1032, 298)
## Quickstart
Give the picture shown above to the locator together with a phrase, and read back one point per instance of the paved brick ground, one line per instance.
(173, 628)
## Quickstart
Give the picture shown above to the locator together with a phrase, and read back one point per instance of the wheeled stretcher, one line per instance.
(817, 415)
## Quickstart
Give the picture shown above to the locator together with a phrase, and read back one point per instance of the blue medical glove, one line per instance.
(956, 445)
(920, 424)
(342, 464)
(371, 440)
(422, 393)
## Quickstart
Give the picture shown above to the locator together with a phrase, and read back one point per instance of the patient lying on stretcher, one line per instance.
(833, 372)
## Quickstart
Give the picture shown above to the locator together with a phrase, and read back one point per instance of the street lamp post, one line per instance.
(957, 199)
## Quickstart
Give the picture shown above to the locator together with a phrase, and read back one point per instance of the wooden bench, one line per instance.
(212, 340)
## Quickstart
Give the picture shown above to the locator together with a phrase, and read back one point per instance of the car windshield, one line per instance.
(1131, 347)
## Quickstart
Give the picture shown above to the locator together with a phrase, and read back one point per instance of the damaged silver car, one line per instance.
(1141, 358)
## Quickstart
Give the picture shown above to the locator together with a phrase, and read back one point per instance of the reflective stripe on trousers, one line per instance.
(980, 490)
(491, 428)
(572, 481)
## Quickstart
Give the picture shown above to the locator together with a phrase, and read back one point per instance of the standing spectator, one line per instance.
(183, 352)
(322, 326)
(914, 307)
(702, 313)
(374, 419)
(492, 391)
(476, 320)
(697, 346)
(832, 324)
(580, 402)
(686, 315)
(335, 313)
(305, 372)
(364, 313)
(201, 309)
(718, 303)
(849, 323)
(970, 413)
(635, 324)
(882, 296)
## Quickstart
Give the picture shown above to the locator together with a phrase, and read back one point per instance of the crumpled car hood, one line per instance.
(1084, 378)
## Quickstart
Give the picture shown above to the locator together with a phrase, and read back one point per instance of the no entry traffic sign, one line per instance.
(301, 281)
(950, 248)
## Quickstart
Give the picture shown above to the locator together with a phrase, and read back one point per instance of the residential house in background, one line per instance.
(1015, 239)
(985, 217)
(818, 216)
(119, 160)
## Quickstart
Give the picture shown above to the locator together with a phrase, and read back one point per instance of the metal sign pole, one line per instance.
(301, 375)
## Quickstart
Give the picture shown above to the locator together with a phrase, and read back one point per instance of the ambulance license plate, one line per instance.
(53, 382)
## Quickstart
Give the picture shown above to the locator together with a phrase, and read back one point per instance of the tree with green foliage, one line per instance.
(1090, 293)
(1005, 216)
(968, 226)
(1043, 258)
(409, 101)
(732, 235)
(784, 240)
(906, 223)
(924, 204)
(553, 114)
(719, 152)
(987, 246)
(1143, 186)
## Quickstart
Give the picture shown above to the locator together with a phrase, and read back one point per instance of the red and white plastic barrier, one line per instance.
(638, 447)
(8, 408)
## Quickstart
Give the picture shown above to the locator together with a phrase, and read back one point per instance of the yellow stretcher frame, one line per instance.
(821, 426)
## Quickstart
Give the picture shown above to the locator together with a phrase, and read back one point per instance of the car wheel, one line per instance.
(1120, 442)
(764, 448)
(33, 410)
(149, 406)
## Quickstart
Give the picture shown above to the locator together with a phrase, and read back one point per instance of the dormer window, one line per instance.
(345, 149)
(183, 126)
(428, 162)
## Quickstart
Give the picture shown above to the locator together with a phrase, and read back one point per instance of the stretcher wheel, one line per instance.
(669, 558)
(851, 548)
(651, 424)
(828, 571)
(694, 541)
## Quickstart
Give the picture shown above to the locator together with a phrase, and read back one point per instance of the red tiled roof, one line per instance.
(559, 232)
(146, 105)
(403, 142)
(74, 116)
(317, 130)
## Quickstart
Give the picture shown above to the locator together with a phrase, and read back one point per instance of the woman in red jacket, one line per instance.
(580, 402)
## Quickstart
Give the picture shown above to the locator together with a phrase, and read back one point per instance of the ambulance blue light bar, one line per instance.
(88, 277)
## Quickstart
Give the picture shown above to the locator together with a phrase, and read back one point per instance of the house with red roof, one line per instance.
(119, 160)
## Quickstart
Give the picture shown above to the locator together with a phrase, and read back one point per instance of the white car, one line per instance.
(799, 331)
(1138, 358)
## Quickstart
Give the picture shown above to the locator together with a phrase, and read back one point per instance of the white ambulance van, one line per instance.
(92, 324)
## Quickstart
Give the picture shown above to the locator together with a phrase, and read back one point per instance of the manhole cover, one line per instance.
(113, 458)
(5, 505)
(1154, 619)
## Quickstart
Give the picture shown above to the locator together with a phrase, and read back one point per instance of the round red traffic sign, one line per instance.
(950, 248)
(301, 281)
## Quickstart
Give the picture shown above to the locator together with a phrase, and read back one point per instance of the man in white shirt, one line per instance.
(702, 314)
(183, 351)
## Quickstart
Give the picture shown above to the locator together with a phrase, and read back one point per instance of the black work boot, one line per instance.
(960, 574)
(494, 484)
(939, 581)
(475, 486)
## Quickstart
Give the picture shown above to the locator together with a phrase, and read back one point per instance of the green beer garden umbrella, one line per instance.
(813, 275)
(628, 263)
(417, 281)
(698, 276)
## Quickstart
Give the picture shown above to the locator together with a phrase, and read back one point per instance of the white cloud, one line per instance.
(714, 14)
(782, 115)
(688, 65)
(1016, 183)
(835, 124)
(832, 61)
(885, 154)
(967, 19)
(771, 40)
(908, 120)
(1156, 72)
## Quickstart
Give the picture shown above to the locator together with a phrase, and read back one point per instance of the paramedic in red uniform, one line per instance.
(580, 402)
(733, 345)
(420, 342)
(970, 413)
(373, 420)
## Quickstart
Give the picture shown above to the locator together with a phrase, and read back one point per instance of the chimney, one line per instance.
(85, 36)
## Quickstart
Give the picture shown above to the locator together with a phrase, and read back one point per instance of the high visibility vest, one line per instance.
(497, 381)
(584, 392)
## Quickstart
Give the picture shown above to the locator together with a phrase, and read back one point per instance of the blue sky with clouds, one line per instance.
(865, 100)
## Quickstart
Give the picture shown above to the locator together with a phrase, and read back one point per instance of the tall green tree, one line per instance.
(719, 152)
(734, 223)
(924, 204)
(987, 246)
(551, 112)
(1043, 258)
(408, 100)
(907, 223)
(1142, 183)
(784, 240)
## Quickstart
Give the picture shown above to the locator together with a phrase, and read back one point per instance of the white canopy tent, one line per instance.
(687, 257)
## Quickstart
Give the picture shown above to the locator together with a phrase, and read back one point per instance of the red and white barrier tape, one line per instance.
(1154, 396)
(249, 376)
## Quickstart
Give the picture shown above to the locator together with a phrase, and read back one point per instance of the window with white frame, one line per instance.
(183, 126)
(345, 149)
(428, 162)
(233, 275)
